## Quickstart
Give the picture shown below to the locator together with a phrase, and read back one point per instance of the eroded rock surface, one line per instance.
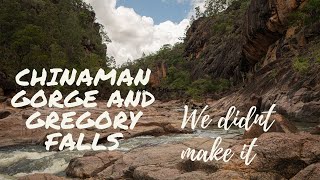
(279, 156)
(311, 172)
(90, 165)
(156, 121)
(281, 124)
(42, 177)
(258, 53)
(266, 22)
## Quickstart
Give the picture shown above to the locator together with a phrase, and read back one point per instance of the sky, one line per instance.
(159, 10)
(142, 26)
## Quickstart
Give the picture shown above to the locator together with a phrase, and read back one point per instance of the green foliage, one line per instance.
(316, 52)
(213, 7)
(38, 34)
(204, 86)
(198, 12)
(313, 11)
(309, 14)
(316, 55)
(172, 56)
(244, 4)
(221, 27)
(274, 73)
(224, 22)
(301, 64)
(308, 60)
(296, 18)
(178, 78)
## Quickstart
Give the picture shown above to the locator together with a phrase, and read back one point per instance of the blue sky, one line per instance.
(159, 10)
(138, 27)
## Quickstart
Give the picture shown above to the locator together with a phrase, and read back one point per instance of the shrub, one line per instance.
(201, 87)
(309, 14)
(221, 27)
(301, 64)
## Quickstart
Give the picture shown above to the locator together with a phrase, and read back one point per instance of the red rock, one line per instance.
(42, 177)
(89, 166)
(281, 124)
(311, 172)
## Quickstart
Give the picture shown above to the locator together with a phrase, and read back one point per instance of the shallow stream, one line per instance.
(22, 160)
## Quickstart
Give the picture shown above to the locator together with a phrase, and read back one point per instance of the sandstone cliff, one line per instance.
(263, 51)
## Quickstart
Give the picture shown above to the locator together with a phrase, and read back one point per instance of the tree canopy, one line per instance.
(49, 33)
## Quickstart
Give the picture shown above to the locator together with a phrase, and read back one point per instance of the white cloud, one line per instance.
(194, 4)
(133, 34)
(201, 4)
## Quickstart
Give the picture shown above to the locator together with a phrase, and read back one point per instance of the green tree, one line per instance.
(198, 12)
(38, 34)
(213, 7)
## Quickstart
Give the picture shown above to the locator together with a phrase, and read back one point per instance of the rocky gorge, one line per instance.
(152, 150)
(267, 57)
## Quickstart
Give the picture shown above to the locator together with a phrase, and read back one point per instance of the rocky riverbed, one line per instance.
(160, 119)
(152, 150)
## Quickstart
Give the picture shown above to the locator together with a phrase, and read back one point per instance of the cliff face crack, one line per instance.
(105, 166)
(265, 25)
(258, 35)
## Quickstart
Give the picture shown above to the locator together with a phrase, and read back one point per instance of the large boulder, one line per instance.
(163, 157)
(282, 154)
(279, 156)
(226, 175)
(154, 172)
(281, 124)
(41, 177)
(89, 166)
(311, 172)
(149, 162)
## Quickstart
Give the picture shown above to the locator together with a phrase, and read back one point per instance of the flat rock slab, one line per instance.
(156, 121)
(279, 156)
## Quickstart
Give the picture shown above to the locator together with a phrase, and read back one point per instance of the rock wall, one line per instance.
(265, 23)
(259, 54)
(271, 50)
(214, 45)
(158, 74)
